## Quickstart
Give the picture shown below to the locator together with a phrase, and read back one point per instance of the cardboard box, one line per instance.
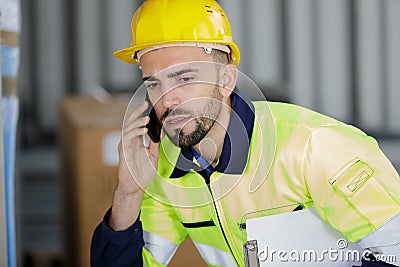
(89, 133)
(88, 130)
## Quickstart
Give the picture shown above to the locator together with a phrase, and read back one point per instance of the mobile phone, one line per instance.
(154, 125)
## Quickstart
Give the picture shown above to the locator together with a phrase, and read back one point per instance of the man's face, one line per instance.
(185, 92)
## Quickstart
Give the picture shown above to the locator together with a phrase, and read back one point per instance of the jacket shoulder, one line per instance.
(285, 113)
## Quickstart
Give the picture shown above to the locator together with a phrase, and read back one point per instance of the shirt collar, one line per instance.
(236, 145)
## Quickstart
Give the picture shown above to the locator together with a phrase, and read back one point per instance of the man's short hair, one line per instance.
(220, 56)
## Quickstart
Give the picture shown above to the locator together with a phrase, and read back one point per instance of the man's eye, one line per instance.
(186, 79)
(151, 85)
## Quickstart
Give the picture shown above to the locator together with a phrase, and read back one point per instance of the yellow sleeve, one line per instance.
(354, 186)
(163, 232)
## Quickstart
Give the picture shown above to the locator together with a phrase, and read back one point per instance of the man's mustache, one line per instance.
(175, 112)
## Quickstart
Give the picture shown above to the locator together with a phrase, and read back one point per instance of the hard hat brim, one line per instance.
(128, 54)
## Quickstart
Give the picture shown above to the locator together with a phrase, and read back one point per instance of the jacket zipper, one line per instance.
(219, 222)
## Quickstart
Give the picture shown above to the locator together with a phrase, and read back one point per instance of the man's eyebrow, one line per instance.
(152, 78)
(180, 72)
(171, 75)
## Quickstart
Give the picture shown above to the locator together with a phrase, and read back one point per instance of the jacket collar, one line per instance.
(236, 145)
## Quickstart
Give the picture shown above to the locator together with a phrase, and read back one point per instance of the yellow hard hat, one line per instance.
(165, 22)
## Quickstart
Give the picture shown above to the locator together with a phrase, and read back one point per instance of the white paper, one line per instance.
(300, 238)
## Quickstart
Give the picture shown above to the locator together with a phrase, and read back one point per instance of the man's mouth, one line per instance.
(175, 122)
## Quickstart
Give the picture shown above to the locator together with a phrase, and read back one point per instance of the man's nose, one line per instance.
(170, 97)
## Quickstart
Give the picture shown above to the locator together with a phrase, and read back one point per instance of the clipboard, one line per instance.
(299, 238)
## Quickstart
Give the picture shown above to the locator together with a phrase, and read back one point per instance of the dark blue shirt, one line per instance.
(111, 248)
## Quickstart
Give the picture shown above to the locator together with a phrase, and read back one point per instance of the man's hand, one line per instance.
(137, 166)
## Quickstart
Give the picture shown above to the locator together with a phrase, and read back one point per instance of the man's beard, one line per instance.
(204, 120)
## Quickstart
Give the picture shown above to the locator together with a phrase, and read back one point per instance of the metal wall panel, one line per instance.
(301, 46)
(370, 64)
(88, 56)
(264, 48)
(333, 59)
(392, 57)
(115, 34)
(50, 60)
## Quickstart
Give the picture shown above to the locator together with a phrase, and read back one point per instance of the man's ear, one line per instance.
(230, 78)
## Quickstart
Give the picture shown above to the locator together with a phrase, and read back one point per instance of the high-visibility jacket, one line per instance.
(269, 165)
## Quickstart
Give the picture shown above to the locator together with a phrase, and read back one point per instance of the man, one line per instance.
(197, 180)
